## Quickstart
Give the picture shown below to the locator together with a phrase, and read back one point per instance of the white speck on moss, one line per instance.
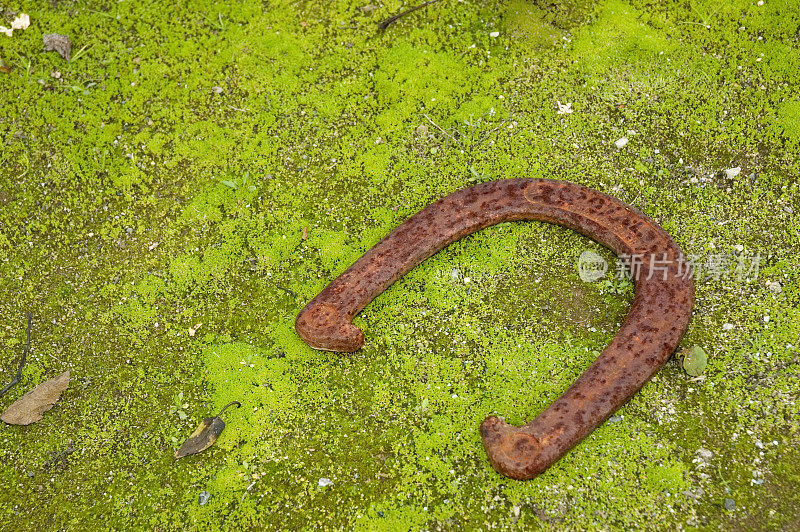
(730, 173)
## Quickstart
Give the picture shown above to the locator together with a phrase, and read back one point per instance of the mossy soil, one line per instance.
(154, 192)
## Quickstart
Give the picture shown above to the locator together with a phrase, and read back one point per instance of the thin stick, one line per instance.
(442, 130)
(389, 21)
(18, 376)
(486, 135)
(224, 408)
(279, 287)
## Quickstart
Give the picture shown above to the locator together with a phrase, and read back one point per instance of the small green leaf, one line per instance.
(229, 184)
(694, 360)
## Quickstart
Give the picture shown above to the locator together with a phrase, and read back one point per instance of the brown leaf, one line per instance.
(53, 42)
(30, 407)
(204, 435)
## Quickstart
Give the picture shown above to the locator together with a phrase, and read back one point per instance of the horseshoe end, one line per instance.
(322, 327)
(511, 450)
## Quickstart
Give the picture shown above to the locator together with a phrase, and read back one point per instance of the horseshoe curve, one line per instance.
(657, 320)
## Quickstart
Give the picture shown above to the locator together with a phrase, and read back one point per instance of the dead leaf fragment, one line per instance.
(30, 407)
(305, 233)
(21, 22)
(205, 434)
(193, 330)
(54, 42)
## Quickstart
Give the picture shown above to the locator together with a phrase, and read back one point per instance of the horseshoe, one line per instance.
(657, 320)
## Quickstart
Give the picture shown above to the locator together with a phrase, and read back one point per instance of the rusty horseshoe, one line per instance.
(657, 320)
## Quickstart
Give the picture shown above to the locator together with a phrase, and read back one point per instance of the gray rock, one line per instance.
(729, 504)
(53, 42)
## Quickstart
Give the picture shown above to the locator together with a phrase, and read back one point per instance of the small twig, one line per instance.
(486, 135)
(18, 376)
(224, 408)
(81, 51)
(279, 287)
(27, 167)
(442, 130)
(389, 21)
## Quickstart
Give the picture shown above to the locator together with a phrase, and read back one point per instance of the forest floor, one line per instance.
(172, 196)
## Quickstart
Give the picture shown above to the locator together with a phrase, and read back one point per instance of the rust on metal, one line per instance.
(657, 320)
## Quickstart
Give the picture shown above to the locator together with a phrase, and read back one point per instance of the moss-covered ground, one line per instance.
(163, 179)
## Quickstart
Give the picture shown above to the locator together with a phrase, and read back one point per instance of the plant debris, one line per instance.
(54, 42)
(30, 407)
(18, 376)
(391, 20)
(205, 434)
(19, 23)
(694, 360)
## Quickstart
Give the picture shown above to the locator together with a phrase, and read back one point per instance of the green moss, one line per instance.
(620, 34)
(787, 124)
(155, 226)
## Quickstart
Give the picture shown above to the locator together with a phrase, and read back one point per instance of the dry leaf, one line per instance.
(305, 232)
(193, 330)
(21, 22)
(30, 407)
(205, 434)
(58, 43)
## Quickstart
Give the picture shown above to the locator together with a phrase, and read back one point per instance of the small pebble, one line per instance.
(218, 90)
(203, 497)
(729, 504)
(704, 454)
(775, 287)
(494, 34)
(615, 419)
(620, 143)
(727, 326)
(325, 482)
(730, 173)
